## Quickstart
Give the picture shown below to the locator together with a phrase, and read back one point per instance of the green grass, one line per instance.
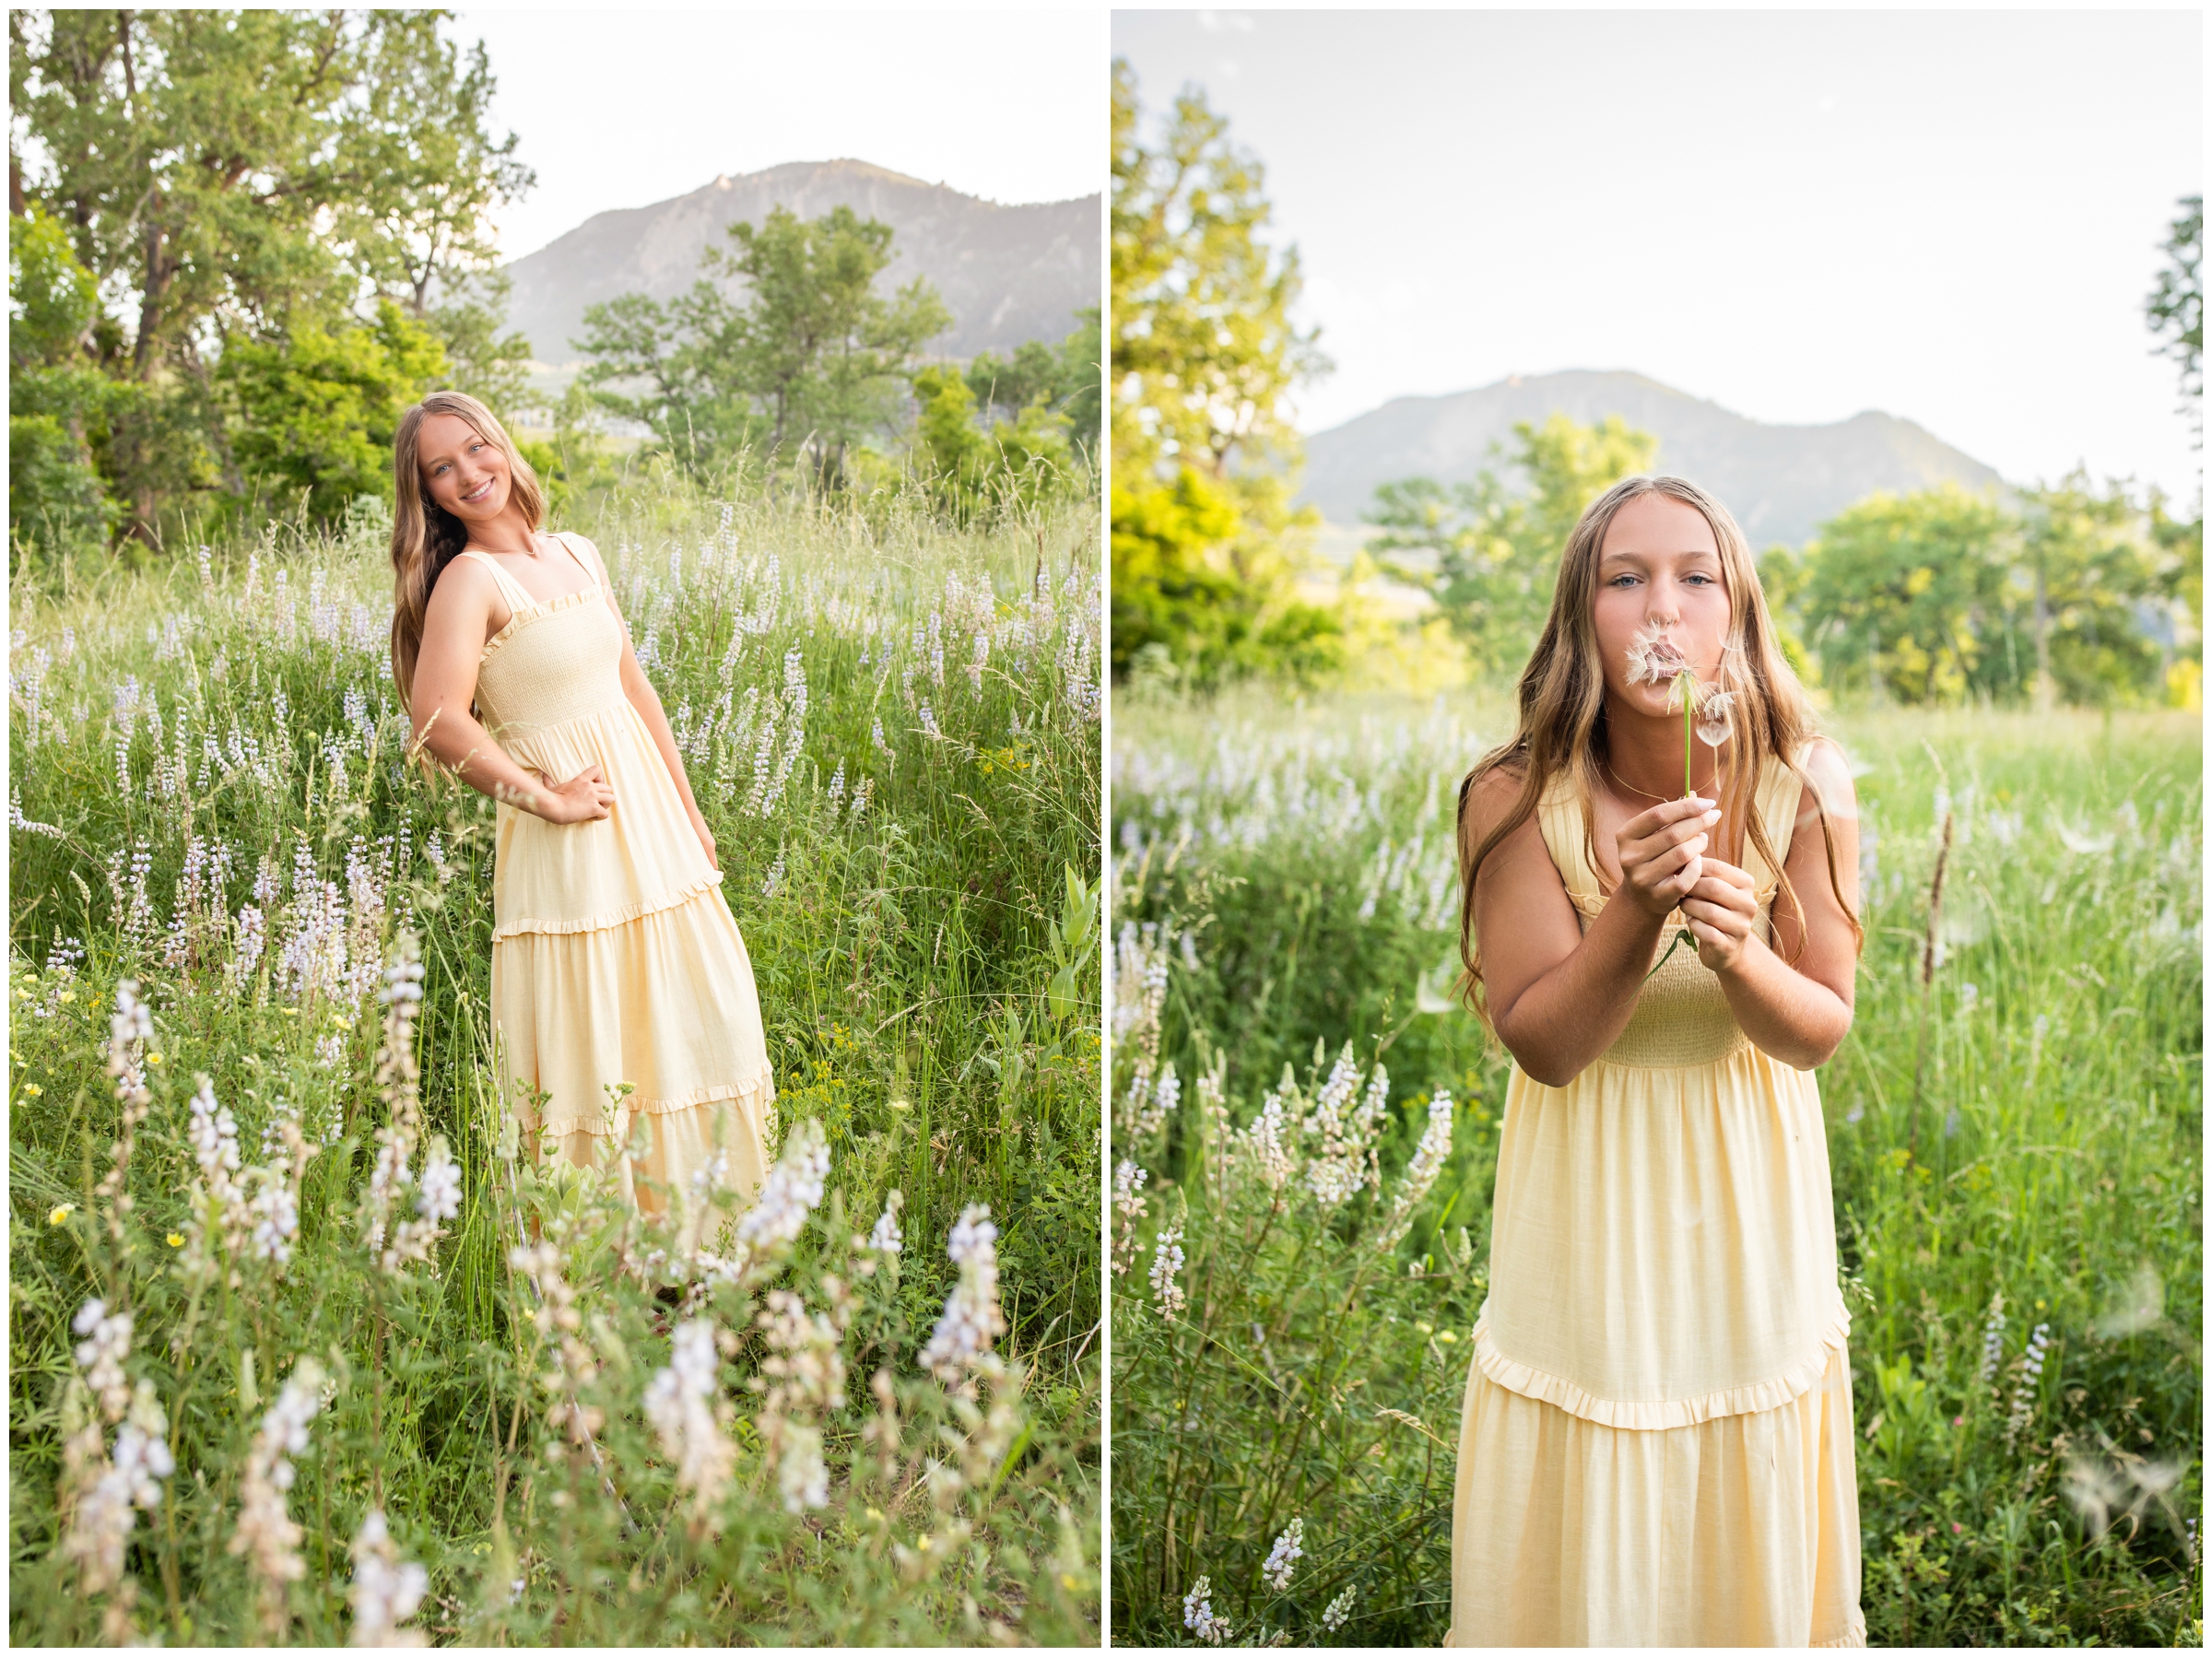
(926, 972)
(2030, 1128)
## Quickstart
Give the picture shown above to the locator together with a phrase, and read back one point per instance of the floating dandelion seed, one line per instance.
(1714, 713)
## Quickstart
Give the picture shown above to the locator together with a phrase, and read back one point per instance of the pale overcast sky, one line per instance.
(621, 108)
(1953, 218)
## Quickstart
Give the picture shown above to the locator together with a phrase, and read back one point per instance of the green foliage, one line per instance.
(1176, 589)
(1065, 379)
(317, 409)
(1491, 551)
(58, 401)
(894, 733)
(1205, 451)
(221, 174)
(1020, 462)
(1939, 595)
(2176, 307)
(1909, 593)
(814, 363)
(1284, 879)
(490, 367)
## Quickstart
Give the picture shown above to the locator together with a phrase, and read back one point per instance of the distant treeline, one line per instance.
(243, 243)
(2073, 590)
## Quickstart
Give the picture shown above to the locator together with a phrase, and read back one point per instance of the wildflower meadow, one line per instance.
(307, 1347)
(1305, 1133)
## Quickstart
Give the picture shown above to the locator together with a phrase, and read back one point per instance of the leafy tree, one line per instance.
(1907, 594)
(229, 174)
(1492, 551)
(1169, 593)
(1023, 460)
(813, 362)
(490, 367)
(1031, 375)
(318, 409)
(1205, 358)
(58, 399)
(2103, 600)
(2176, 306)
(1082, 384)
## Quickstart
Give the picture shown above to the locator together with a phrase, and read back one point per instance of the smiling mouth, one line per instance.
(481, 492)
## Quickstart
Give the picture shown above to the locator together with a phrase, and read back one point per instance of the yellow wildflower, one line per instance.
(61, 1213)
(153, 1058)
(33, 1089)
(175, 1240)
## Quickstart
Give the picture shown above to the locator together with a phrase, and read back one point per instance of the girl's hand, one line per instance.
(1660, 852)
(584, 798)
(1721, 909)
(706, 836)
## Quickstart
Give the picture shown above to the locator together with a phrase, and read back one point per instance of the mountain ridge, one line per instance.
(1008, 272)
(1780, 481)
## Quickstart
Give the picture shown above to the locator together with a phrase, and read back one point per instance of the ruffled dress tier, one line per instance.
(1656, 1447)
(614, 956)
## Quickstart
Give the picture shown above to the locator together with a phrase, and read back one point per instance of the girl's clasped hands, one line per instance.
(1664, 867)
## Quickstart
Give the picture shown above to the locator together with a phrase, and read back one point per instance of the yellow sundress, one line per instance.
(614, 956)
(1655, 1447)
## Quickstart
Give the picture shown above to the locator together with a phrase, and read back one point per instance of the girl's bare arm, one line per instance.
(445, 684)
(1798, 1012)
(1560, 996)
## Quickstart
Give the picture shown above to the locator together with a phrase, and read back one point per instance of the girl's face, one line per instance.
(461, 470)
(1660, 566)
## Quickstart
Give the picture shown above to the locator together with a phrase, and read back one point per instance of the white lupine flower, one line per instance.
(276, 1211)
(1288, 1549)
(1429, 1158)
(1339, 1165)
(1167, 1260)
(802, 1478)
(111, 1490)
(1992, 1341)
(101, 1353)
(2024, 1392)
(1129, 1205)
(386, 1590)
(680, 1403)
(438, 1198)
(266, 1535)
(887, 1239)
(1339, 1611)
(792, 1191)
(1198, 1613)
(972, 1318)
(1268, 1139)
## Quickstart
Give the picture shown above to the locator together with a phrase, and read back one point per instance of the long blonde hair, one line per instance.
(1562, 711)
(424, 536)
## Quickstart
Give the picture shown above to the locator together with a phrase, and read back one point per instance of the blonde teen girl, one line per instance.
(614, 956)
(1656, 1443)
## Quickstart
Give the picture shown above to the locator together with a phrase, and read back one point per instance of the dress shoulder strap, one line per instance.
(584, 563)
(1776, 803)
(1561, 816)
(517, 596)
